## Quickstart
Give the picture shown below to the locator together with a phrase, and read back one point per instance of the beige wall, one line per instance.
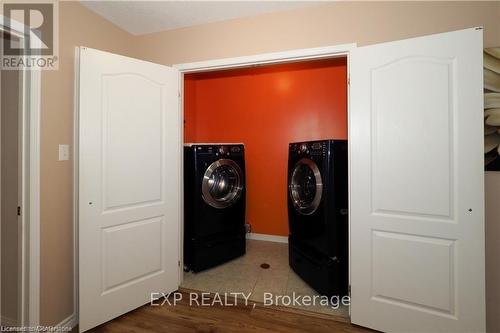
(329, 24)
(78, 27)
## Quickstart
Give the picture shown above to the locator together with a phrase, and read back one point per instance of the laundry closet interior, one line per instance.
(265, 158)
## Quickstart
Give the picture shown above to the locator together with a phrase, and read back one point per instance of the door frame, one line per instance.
(294, 55)
(30, 174)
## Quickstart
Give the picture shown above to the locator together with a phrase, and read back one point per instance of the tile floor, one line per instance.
(245, 275)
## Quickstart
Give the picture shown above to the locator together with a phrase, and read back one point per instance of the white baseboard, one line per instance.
(71, 321)
(268, 238)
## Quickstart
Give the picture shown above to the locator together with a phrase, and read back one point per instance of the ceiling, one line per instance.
(142, 17)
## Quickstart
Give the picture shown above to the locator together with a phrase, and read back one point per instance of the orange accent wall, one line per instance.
(266, 108)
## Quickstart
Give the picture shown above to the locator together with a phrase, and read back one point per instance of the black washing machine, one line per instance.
(214, 204)
(317, 214)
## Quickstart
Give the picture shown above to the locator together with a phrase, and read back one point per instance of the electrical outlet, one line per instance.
(63, 152)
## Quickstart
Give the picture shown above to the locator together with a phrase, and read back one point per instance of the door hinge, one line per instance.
(18, 210)
(179, 263)
(348, 80)
(349, 290)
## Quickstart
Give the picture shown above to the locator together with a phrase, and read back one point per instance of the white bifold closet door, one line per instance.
(130, 161)
(416, 184)
(416, 200)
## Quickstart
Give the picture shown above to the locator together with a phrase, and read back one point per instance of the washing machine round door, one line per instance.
(222, 183)
(306, 186)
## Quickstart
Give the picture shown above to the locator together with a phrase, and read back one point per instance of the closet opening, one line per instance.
(266, 184)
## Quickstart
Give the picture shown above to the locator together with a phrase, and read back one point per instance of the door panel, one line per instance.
(424, 286)
(147, 237)
(132, 137)
(405, 128)
(129, 184)
(417, 224)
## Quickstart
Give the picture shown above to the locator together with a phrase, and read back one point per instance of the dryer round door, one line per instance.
(222, 183)
(306, 186)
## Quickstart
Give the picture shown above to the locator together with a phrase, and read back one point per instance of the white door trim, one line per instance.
(266, 58)
(31, 196)
(333, 51)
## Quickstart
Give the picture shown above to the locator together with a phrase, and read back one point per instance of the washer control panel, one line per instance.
(308, 148)
(221, 150)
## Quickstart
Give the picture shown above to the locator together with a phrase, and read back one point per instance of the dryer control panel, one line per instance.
(220, 150)
(309, 148)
